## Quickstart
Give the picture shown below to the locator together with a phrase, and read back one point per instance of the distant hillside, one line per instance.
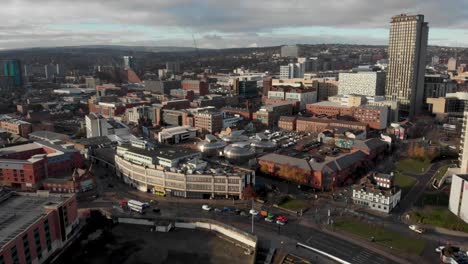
(105, 47)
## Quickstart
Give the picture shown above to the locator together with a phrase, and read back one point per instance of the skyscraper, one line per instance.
(407, 62)
(12, 68)
(129, 62)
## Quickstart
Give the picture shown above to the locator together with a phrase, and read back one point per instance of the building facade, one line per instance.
(458, 202)
(40, 224)
(209, 122)
(362, 83)
(407, 62)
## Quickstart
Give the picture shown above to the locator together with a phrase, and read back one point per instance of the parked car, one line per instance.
(439, 249)
(270, 220)
(206, 207)
(156, 210)
(253, 212)
(416, 229)
(281, 218)
(237, 212)
(217, 210)
(242, 213)
(280, 222)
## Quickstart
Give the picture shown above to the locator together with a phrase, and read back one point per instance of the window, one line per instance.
(14, 255)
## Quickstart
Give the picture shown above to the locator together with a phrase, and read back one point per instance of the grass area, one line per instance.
(440, 217)
(412, 165)
(382, 236)
(441, 172)
(434, 199)
(405, 182)
(291, 204)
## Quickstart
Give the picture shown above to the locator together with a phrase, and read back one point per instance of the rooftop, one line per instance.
(21, 211)
(177, 130)
(282, 159)
(48, 135)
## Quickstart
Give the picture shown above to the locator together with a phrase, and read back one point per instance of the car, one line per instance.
(156, 210)
(242, 213)
(280, 222)
(228, 209)
(416, 229)
(281, 218)
(110, 185)
(253, 212)
(146, 205)
(237, 212)
(217, 210)
(206, 207)
(270, 220)
(439, 249)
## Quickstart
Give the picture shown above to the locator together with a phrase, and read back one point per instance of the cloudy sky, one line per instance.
(221, 23)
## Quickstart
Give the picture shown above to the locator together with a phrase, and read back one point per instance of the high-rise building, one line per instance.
(292, 51)
(129, 62)
(292, 70)
(458, 203)
(452, 64)
(12, 68)
(173, 67)
(407, 61)
(50, 71)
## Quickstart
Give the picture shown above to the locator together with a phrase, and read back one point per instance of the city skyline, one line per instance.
(220, 25)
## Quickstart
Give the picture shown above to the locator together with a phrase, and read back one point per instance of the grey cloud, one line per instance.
(241, 21)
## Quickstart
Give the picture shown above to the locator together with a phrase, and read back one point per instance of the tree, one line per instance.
(249, 193)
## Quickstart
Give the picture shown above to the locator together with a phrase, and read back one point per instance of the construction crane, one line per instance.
(198, 51)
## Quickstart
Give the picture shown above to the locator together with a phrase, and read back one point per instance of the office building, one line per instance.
(270, 114)
(162, 87)
(175, 135)
(452, 64)
(25, 166)
(12, 68)
(209, 122)
(291, 51)
(15, 126)
(437, 85)
(35, 226)
(291, 71)
(363, 83)
(463, 151)
(450, 107)
(197, 86)
(407, 62)
(97, 126)
(246, 89)
(129, 62)
(173, 67)
(458, 202)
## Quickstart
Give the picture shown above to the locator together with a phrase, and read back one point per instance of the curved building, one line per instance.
(239, 153)
(179, 172)
(211, 146)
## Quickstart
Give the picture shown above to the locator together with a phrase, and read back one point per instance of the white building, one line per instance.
(458, 203)
(97, 126)
(303, 98)
(363, 83)
(373, 193)
(134, 114)
(176, 135)
(292, 70)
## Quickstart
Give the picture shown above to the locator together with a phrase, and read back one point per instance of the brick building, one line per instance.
(209, 122)
(15, 126)
(197, 86)
(287, 123)
(26, 166)
(317, 125)
(38, 226)
(243, 112)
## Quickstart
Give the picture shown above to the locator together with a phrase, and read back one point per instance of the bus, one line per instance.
(136, 206)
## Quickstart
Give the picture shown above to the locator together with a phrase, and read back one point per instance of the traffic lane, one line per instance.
(345, 250)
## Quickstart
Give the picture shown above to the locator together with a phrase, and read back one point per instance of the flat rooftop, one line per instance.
(18, 212)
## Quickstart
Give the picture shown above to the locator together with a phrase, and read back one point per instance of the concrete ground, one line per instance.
(128, 244)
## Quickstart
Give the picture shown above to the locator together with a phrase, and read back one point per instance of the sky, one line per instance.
(221, 23)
